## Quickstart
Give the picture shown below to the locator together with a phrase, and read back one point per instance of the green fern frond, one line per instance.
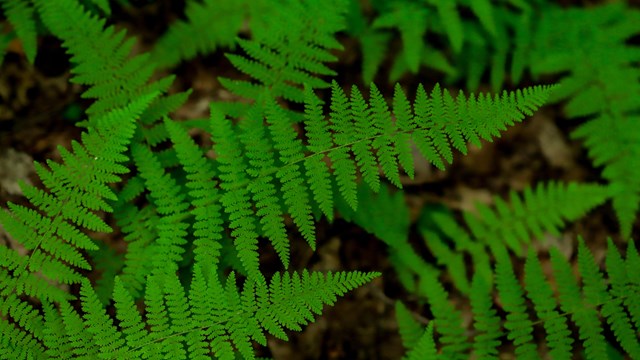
(455, 342)
(101, 56)
(409, 328)
(529, 215)
(545, 208)
(77, 188)
(542, 296)
(485, 320)
(170, 204)
(583, 302)
(213, 317)
(425, 348)
(20, 14)
(289, 50)
(518, 326)
(583, 313)
(603, 86)
(204, 195)
(364, 139)
(209, 25)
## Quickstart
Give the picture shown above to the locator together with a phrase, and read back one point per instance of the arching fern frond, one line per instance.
(364, 140)
(77, 190)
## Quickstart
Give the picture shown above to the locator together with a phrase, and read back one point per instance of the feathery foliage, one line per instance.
(583, 302)
(289, 48)
(438, 124)
(214, 317)
(209, 25)
(602, 84)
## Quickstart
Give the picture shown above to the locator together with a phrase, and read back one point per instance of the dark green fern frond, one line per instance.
(289, 50)
(409, 328)
(209, 25)
(583, 302)
(543, 209)
(20, 14)
(455, 343)
(603, 85)
(595, 290)
(618, 272)
(518, 326)
(528, 215)
(485, 319)
(542, 296)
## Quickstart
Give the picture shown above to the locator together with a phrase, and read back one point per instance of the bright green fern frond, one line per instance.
(170, 204)
(319, 142)
(235, 200)
(425, 347)
(293, 187)
(101, 56)
(208, 227)
(78, 187)
(213, 317)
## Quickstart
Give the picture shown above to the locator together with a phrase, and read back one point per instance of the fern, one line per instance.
(583, 304)
(529, 215)
(21, 15)
(288, 50)
(50, 232)
(438, 124)
(209, 25)
(101, 56)
(603, 90)
(213, 318)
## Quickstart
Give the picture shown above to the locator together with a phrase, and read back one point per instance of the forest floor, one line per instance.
(38, 107)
